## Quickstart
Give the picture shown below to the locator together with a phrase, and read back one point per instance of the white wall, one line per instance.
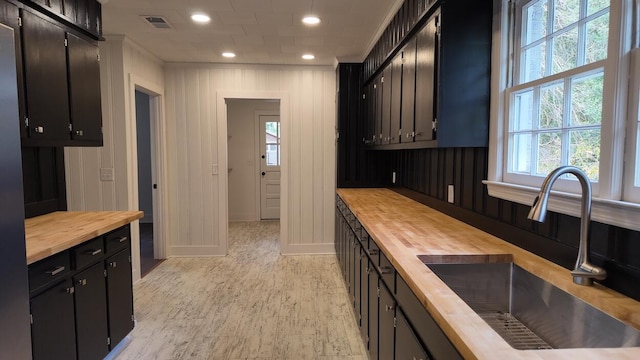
(120, 60)
(196, 205)
(241, 129)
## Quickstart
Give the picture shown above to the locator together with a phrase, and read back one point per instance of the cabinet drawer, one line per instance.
(117, 239)
(47, 270)
(88, 252)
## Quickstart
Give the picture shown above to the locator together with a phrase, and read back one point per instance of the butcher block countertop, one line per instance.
(52, 233)
(404, 229)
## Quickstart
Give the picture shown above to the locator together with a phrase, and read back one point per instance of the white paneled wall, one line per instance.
(120, 60)
(197, 198)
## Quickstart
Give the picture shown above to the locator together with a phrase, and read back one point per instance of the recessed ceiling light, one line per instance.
(228, 54)
(311, 20)
(200, 18)
(308, 56)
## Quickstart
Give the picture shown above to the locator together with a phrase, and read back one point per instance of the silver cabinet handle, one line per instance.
(384, 270)
(122, 239)
(94, 252)
(388, 308)
(113, 264)
(82, 282)
(70, 290)
(38, 129)
(372, 252)
(79, 133)
(55, 271)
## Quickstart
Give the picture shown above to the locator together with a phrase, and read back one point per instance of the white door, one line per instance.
(269, 167)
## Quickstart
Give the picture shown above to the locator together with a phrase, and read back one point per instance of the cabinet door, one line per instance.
(370, 113)
(387, 90)
(45, 70)
(91, 313)
(407, 344)
(425, 99)
(386, 329)
(357, 287)
(408, 91)
(84, 90)
(377, 88)
(396, 99)
(94, 14)
(53, 327)
(120, 296)
(351, 263)
(374, 317)
(364, 296)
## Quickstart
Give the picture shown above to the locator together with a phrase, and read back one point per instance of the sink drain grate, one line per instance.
(514, 332)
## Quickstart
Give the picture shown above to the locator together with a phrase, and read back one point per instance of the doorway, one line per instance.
(146, 184)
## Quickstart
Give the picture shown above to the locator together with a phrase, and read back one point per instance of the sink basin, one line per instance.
(527, 311)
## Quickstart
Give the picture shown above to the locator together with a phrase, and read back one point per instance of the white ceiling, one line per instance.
(258, 31)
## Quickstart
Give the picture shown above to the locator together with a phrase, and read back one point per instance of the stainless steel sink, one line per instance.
(528, 312)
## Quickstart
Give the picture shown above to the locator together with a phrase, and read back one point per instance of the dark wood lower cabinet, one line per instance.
(407, 344)
(91, 313)
(120, 296)
(53, 328)
(393, 322)
(83, 313)
(386, 325)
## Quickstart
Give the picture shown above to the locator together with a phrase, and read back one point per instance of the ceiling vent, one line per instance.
(157, 22)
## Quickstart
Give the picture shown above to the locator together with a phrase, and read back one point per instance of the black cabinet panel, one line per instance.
(53, 328)
(407, 345)
(91, 313)
(364, 296)
(425, 81)
(45, 68)
(408, 90)
(396, 99)
(387, 315)
(378, 109)
(9, 15)
(374, 315)
(120, 296)
(387, 91)
(84, 90)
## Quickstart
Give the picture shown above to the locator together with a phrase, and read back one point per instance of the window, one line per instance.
(272, 141)
(560, 97)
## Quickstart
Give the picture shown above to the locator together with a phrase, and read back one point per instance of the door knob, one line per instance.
(263, 156)
(264, 173)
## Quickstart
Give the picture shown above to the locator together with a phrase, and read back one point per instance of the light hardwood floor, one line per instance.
(252, 304)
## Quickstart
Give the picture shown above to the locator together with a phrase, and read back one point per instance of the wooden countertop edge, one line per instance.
(43, 239)
(446, 307)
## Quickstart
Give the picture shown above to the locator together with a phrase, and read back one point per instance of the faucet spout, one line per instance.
(584, 272)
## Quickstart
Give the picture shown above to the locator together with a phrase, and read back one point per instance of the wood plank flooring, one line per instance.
(252, 304)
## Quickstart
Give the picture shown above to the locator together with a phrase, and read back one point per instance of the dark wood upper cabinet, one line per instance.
(408, 91)
(378, 90)
(84, 91)
(396, 99)
(45, 71)
(447, 91)
(387, 91)
(9, 16)
(425, 81)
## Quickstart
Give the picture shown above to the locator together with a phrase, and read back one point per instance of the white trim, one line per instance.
(308, 249)
(617, 213)
(632, 192)
(223, 159)
(158, 139)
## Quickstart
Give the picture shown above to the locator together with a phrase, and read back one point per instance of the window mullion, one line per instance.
(535, 133)
(566, 122)
(549, 39)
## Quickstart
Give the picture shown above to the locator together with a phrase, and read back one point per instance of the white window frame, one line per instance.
(631, 191)
(609, 205)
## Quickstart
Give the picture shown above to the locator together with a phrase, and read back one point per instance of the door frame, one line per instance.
(223, 160)
(257, 133)
(158, 167)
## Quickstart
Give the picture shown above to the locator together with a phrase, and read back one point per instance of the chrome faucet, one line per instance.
(584, 272)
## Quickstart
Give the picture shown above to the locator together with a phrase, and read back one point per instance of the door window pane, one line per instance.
(272, 141)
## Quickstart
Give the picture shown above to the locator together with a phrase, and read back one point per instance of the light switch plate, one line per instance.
(214, 169)
(450, 194)
(106, 174)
